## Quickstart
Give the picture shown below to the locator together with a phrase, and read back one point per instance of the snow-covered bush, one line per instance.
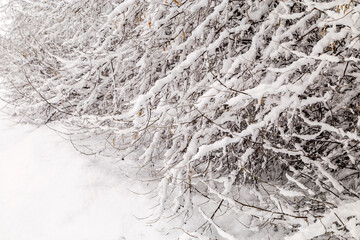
(249, 107)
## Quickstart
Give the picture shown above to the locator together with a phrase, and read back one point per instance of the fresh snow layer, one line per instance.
(48, 191)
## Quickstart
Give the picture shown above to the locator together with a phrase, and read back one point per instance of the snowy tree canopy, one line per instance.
(249, 106)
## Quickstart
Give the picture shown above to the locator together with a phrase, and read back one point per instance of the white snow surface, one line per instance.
(49, 191)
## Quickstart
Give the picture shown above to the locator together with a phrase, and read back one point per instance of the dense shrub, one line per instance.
(249, 106)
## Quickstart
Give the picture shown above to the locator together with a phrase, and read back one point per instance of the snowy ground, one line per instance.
(49, 191)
